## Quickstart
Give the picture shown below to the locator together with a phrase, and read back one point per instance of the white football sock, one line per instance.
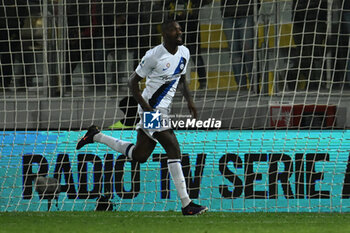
(126, 148)
(175, 169)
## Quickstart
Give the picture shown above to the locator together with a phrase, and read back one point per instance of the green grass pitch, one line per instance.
(172, 222)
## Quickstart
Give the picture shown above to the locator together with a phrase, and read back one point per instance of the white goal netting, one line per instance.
(270, 80)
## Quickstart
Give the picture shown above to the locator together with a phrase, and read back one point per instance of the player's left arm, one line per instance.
(187, 94)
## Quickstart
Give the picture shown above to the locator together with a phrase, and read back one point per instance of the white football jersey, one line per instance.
(162, 71)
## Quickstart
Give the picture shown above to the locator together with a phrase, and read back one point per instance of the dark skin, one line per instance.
(145, 145)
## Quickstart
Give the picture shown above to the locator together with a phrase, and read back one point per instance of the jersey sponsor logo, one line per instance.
(170, 77)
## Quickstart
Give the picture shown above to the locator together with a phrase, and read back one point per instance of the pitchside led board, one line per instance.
(282, 170)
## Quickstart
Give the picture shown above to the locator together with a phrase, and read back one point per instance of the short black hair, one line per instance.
(166, 23)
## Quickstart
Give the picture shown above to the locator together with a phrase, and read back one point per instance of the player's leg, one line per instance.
(139, 152)
(169, 142)
(143, 148)
(94, 135)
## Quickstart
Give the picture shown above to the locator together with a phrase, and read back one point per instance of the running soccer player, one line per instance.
(164, 66)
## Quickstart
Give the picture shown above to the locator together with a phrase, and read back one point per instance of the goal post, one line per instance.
(269, 78)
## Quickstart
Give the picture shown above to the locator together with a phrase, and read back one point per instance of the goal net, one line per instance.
(270, 80)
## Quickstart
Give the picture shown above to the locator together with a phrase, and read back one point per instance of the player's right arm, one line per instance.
(134, 87)
(147, 64)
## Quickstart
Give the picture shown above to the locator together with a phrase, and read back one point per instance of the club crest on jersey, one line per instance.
(181, 66)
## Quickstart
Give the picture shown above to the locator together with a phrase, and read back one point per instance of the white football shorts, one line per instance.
(161, 121)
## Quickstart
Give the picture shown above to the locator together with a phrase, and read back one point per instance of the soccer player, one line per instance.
(165, 67)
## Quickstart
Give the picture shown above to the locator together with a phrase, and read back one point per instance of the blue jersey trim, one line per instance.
(163, 93)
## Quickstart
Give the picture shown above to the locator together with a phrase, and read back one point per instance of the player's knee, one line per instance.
(141, 160)
(177, 152)
(140, 157)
